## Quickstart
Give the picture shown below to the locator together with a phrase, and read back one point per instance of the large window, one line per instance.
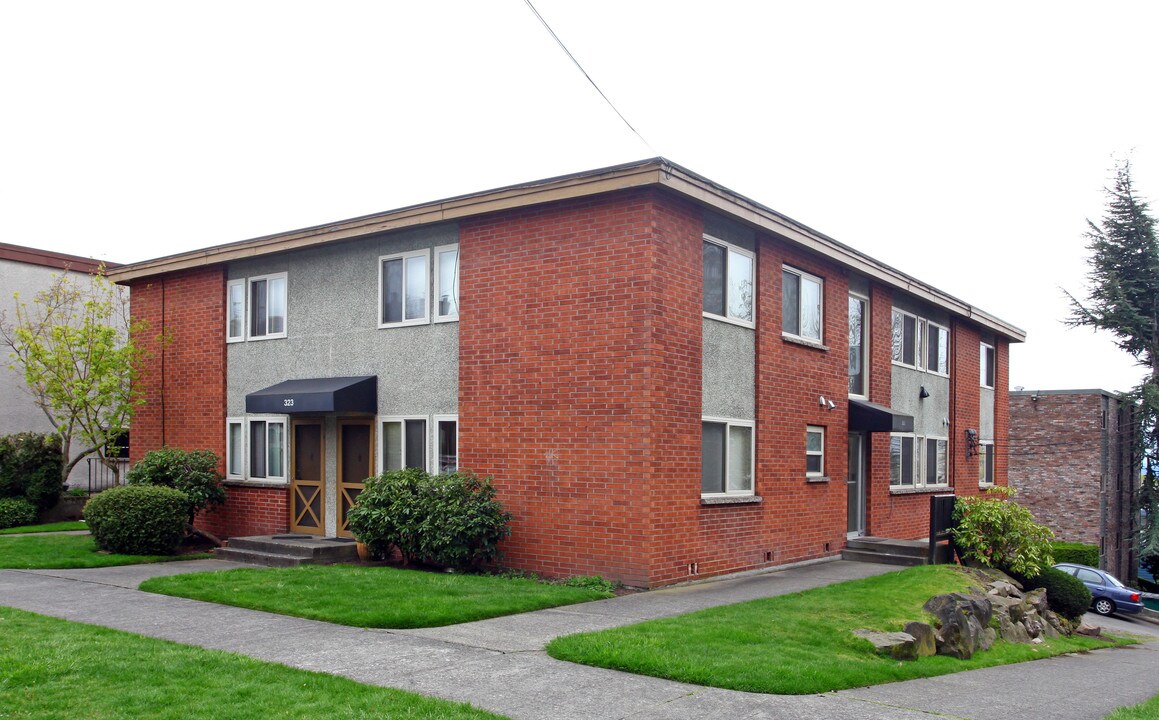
(726, 462)
(814, 451)
(404, 443)
(267, 449)
(986, 360)
(917, 462)
(920, 343)
(858, 332)
(267, 312)
(729, 281)
(446, 283)
(404, 282)
(801, 301)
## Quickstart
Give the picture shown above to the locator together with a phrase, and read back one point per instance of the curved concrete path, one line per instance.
(500, 665)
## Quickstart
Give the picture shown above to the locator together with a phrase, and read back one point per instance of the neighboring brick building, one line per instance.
(1071, 463)
(664, 378)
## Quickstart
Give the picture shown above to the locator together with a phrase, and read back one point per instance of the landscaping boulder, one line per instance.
(898, 645)
(961, 621)
(925, 638)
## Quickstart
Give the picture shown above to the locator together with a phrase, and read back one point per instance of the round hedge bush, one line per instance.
(1065, 593)
(15, 512)
(138, 519)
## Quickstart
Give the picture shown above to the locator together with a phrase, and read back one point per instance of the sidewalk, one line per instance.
(499, 664)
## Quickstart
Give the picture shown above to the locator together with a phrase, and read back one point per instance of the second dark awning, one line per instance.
(317, 395)
(865, 416)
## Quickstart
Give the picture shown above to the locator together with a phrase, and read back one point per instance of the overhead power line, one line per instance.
(585, 72)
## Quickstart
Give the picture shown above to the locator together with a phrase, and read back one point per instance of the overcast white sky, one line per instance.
(965, 144)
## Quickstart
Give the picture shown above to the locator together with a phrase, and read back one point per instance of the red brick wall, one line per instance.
(248, 511)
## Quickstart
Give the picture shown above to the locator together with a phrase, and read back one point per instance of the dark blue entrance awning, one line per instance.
(317, 395)
(865, 416)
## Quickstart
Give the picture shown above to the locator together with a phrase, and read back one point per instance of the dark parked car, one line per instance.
(1107, 593)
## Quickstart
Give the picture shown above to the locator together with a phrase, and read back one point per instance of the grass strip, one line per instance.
(1147, 710)
(52, 669)
(43, 552)
(47, 527)
(373, 597)
(797, 644)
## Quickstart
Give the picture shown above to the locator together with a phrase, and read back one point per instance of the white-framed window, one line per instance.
(726, 461)
(404, 443)
(858, 345)
(447, 283)
(986, 362)
(903, 463)
(235, 448)
(936, 461)
(801, 304)
(729, 282)
(266, 442)
(267, 306)
(446, 443)
(235, 311)
(814, 451)
(986, 462)
(403, 287)
(919, 343)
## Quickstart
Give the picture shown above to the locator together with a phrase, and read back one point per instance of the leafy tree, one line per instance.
(1123, 298)
(72, 344)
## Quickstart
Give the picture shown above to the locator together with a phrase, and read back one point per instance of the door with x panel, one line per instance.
(308, 482)
(355, 463)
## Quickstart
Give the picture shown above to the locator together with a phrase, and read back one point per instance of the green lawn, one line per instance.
(796, 644)
(377, 597)
(39, 552)
(47, 527)
(52, 669)
(1148, 710)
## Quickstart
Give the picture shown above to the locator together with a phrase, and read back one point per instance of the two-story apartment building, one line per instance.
(665, 379)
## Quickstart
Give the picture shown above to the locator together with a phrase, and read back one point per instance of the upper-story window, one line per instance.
(986, 360)
(446, 283)
(801, 295)
(256, 308)
(729, 282)
(858, 357)
(404, 281)
(920, 343)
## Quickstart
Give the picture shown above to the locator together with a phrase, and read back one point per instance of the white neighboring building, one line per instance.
(27, 271)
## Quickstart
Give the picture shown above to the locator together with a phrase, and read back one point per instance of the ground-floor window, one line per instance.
(918, 461)
(447, 442)
(404, 443)
(255, 448)
(986, 462)
(726, 461)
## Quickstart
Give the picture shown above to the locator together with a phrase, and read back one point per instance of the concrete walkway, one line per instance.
(499, 664)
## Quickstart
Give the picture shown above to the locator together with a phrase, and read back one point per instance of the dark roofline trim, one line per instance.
(50, 259)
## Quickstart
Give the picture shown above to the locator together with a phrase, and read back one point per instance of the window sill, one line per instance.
(751, 325)
(816, 478)
(918, 490)
(730, 499)
(273, 484)
(804, 342)
(986, 486)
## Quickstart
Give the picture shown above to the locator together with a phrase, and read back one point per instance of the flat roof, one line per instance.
(654, 172)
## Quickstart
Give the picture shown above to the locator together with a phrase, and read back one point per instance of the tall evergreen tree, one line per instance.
(1123, 299)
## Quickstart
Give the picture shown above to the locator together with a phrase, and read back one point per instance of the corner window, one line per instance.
(936, 453)
(858, 326)
(729, 281)
(937, 349)
(404, 444)
(726, 460)
(447, 443)
(901, 460)
(986, 462)
(447, 283)
(986, 360)
(267, 311)
(267, 449)
(403, 287)
(801, 295)
(234, 449)
(814, 451)
(235, 311)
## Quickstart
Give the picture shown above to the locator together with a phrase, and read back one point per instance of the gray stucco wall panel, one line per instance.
(929, 414)
(729, 371)
(986, 412)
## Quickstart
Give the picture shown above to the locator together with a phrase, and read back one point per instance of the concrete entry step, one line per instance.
(288, 550)
(892, 552)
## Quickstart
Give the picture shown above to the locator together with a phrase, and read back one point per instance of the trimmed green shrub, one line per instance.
(451, 519)
(15, 512)
(30, 467)
(138, 519)
(997, 533)
(1065, 593)
(193, 472)
(1078, 553)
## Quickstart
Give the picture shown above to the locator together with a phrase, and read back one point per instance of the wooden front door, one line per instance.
(307, 483)
(355, 464)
